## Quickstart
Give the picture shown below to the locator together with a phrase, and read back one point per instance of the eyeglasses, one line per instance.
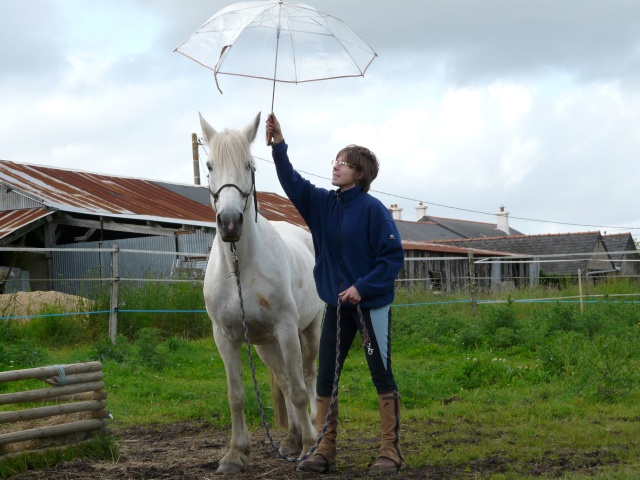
(342, 164)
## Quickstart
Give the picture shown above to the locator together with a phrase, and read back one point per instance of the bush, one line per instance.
(21, 353)
(55, 329)
(148, 343)
(561, 355)
(154, 296)
(562, 318)
(104, 349)
(608, 369)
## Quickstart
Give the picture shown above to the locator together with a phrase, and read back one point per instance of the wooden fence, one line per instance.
(75, 388)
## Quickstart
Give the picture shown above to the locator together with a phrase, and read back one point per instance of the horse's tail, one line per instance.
(279, 405)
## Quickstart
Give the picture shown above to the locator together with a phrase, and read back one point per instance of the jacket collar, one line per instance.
(350, 193)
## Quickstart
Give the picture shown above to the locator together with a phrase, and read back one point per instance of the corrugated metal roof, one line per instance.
(13, 220)
(126, 197)
(274, 207)
(95, 193)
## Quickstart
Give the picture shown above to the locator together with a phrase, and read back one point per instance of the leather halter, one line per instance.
(245, 195)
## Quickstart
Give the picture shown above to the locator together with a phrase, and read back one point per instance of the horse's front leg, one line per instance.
(237, 458)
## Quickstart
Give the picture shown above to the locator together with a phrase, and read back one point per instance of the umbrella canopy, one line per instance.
(290, 42)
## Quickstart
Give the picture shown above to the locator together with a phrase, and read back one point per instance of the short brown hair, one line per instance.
(365, 162)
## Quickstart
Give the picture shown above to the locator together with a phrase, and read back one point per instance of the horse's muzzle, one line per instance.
(229, 226)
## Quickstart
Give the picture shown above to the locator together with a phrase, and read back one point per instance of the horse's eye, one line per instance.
(209, 166)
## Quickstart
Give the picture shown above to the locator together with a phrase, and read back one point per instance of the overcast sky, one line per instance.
(471, 104)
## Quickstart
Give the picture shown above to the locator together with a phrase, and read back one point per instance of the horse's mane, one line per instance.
(230, 151)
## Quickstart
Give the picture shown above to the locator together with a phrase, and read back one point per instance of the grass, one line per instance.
(539, 387)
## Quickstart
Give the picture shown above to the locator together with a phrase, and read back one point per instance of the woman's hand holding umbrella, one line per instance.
(273, 129)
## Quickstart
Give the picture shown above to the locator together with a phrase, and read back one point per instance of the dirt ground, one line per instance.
(191, 450)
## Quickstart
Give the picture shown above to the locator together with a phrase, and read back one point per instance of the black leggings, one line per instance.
(378, 325)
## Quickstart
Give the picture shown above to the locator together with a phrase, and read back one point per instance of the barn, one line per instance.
(43, 207)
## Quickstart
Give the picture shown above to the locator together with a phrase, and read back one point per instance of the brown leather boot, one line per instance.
(324, 458)
(390, 458)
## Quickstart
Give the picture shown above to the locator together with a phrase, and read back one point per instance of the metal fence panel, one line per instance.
(71, 270)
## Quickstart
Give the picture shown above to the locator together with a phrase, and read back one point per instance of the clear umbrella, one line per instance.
(292, 43)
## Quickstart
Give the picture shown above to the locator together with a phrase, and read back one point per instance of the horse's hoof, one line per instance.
(226, 468)
(290, 451)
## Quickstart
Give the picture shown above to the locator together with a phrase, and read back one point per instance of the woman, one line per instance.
(358, 257)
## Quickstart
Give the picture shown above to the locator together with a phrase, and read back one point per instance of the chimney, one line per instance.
(502, 218)
(421, 211)
(396, 212)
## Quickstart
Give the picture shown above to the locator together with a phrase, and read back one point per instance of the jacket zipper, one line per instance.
(340, 249)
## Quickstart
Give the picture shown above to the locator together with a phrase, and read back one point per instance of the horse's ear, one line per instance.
(208, 131)
(252, 129)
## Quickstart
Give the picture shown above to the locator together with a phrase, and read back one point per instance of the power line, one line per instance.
(510, 216)
(467, 209)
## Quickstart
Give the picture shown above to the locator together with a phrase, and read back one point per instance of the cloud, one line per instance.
(32, 36)
(533, 103)
(518, 161)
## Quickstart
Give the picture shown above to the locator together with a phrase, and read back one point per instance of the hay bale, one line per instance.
(31, 303)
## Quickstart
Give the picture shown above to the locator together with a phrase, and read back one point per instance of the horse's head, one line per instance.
(231, 176)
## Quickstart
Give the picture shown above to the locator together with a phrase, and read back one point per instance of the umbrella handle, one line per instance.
(269, 139)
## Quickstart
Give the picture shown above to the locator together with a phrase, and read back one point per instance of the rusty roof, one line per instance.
(274, 207)
(126, 197)
(437, 247)
(13, 220)
(95, 193)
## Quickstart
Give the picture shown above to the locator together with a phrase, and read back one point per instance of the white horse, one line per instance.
(282, 309)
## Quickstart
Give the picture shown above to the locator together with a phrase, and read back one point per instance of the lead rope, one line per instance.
(334, 392)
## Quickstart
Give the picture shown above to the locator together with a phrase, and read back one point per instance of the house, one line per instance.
(622, 250)
(428, 227)
(49, 207)
(559, 254)
(451, 271)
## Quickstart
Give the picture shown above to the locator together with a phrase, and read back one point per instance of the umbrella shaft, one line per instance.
(275, 67)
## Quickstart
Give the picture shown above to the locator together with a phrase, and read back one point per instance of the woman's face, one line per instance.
(344, 175)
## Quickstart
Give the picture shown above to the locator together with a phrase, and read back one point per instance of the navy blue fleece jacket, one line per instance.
(355, 239)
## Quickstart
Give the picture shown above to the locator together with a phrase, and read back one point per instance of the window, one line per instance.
(436, 280)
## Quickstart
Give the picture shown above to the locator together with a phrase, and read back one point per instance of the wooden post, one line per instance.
(43, 372)
(196, 159)
(113, 309)
(472, 285)
(580, 290)
(50, 411)
(49, 242)
(49, 393)
(52, 431)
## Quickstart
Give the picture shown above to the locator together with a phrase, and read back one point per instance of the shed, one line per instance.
(560, 254)
(448, 267)
(47, 207)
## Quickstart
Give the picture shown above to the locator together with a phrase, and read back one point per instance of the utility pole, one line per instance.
(196, 159)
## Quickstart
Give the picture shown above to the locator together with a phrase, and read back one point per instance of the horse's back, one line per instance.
(293, 234)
